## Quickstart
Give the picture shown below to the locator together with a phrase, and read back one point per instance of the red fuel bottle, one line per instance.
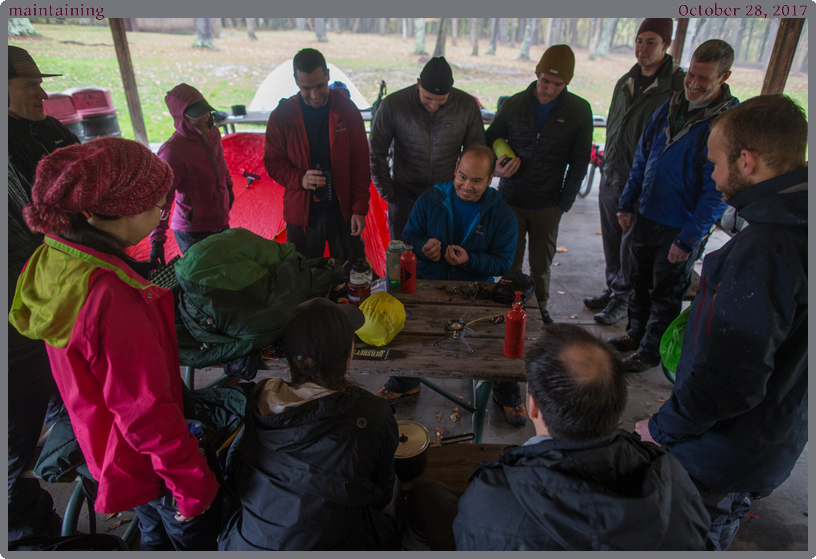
(408, 270)
(514, 329)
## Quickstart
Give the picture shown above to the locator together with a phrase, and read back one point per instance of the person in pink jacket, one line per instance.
(202, 184)
(111, 340)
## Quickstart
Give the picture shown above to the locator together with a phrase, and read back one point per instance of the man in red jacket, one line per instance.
(316, 149)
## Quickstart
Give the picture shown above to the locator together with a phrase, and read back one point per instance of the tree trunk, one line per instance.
(573, 32)
(494, 35)
(529, 30)
(548, 32)
(503, 31)
(419, 36)
(770, 37)
(747, 52)
(454, 30)
(511, 32)
(738, 27)
(320, 29)
(300, 23)
(799, 63)
(521, 24)
(608, 30)
(474, 36)
(689, 47)
(404, 29)
(439, 50)
(250, 25)
(204, 33)
(383, 23)
(20, 27)
(356, 28)
(555, 34)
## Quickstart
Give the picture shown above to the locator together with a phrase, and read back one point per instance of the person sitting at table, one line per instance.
(580, 483)
(463, 230)
(315, 464)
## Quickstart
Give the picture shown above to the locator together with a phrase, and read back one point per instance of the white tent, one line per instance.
(280, 84)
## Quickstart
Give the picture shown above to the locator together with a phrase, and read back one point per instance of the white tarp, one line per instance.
(280, 84)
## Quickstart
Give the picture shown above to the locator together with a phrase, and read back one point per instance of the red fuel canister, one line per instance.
(514, 329)
(408, 270)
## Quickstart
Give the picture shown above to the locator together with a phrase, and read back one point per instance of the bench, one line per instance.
(452, 464)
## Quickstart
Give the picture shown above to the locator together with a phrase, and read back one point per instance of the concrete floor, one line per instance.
(782, 522)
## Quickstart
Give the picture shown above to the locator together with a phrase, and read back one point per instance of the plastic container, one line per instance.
(514, 329)
(408, 270)
(91, 101)
(392, 262)
(61, 107)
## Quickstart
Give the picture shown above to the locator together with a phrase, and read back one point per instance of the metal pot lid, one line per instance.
(413, 439)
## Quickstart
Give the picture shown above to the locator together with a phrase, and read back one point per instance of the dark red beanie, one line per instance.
(660, 25)
(110, 176)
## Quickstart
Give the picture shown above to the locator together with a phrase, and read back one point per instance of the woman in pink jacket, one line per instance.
(111, 340)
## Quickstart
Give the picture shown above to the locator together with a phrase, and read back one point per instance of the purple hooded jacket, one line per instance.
(202, 185)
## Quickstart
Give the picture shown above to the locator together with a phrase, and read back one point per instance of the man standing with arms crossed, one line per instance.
(638, 94)
(429, 124)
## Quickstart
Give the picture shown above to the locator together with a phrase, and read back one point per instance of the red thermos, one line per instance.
(408, 270)
(514, 328)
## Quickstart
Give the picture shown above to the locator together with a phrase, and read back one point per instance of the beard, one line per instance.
(736, 183)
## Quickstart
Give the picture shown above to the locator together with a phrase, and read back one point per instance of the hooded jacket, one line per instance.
(622, 494)
(490, 242)
(30, 141)
(286, 157)
(316, 469)
(628, 117)
(426, 145)
(554, 159)
(112, 347)
(202, 184)
(737, 418)
(671, 177)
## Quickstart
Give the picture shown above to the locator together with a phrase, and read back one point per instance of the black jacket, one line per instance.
(737, 418)
(30, 141)
(622, 494)
(317, 476)
(565, 140)
(627, 117)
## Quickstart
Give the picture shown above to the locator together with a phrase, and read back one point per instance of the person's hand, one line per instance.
(625, 220)
(456, 255)
(357, 224)
(432, 250)
(312, 179)
(157, 253)
(642, 429)
(677, 254)
(184, 519)
(508, 170)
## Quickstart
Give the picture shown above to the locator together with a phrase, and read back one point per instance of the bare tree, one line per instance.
(474, 36)
(595, 27)
(529, 30)
(204, 33)
(20, 27)
(439, 50)
(404, 29)
(320, 29)
(607, 32)
(419, 36)
(337, 25)
(737, 27)
(770, 38)
(494, 34)
(799, 63)
(383, 24)
(300, 23)
(454, 30)
(503, 22)
(356, 27)
(555, 34)
(250, 25)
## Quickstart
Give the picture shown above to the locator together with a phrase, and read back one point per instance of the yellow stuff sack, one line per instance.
(385, 318)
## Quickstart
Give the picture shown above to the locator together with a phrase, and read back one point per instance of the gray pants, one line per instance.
(398, 212)
(617, 243)
(542, 227)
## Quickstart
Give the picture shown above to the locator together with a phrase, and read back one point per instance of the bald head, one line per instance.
(578, 384)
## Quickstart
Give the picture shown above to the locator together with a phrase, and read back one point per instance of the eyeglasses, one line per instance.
(164, 213)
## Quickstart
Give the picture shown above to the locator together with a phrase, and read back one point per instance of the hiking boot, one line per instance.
(545, 316)
(393, 397)
(598, 303)
(615, 311)
(515, 415)
(636, 364)
(623, 343)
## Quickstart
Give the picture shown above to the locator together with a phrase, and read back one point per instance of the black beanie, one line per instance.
(436, 76)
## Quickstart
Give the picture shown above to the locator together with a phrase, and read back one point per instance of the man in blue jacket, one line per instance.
(464, 230)
(737, 418)
(679, 202)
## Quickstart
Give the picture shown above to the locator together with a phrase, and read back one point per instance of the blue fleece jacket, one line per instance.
(490, 241)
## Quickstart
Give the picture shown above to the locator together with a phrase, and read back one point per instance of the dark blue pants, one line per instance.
(160, 531)
(726, 510)
(507, 393)
(311, 241)
(186, 239)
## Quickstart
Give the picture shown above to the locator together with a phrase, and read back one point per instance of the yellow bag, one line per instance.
(385, 318)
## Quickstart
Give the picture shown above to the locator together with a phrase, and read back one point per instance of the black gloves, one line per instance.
(157, 253)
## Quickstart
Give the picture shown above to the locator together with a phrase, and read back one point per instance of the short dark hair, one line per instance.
(484, 151)
(307, 60)
(576, 381)
(715, 50)
(773, 126)
(333, 376)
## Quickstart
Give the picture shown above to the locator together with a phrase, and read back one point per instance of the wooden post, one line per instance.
(128, 79)
(676, 48)
(784, 48)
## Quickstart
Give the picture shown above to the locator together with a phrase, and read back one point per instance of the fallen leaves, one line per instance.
(556, 263)
(438, 416)
(455, 415)
(598, 233)
(662, 399)
(561, 292)
(439, 433)
(113, 515)
(118, 523)
(561, 249)
(573, 316)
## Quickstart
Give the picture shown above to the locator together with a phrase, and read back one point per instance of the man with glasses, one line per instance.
(202, 185)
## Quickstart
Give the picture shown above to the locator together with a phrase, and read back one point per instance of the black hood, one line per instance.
(782, 200)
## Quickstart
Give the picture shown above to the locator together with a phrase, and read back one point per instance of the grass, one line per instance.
(232, 74)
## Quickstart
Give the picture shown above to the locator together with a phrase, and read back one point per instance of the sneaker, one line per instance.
(598, 303)
(545, 316)
(392, 397)
(623, 343)
(615, 311)
(636, 364)
(515, 415)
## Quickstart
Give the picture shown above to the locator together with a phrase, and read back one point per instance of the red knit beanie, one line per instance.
(660, 25)
(110, 176)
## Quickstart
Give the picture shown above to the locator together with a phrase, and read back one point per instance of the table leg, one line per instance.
(444, 393)
(481, 395)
